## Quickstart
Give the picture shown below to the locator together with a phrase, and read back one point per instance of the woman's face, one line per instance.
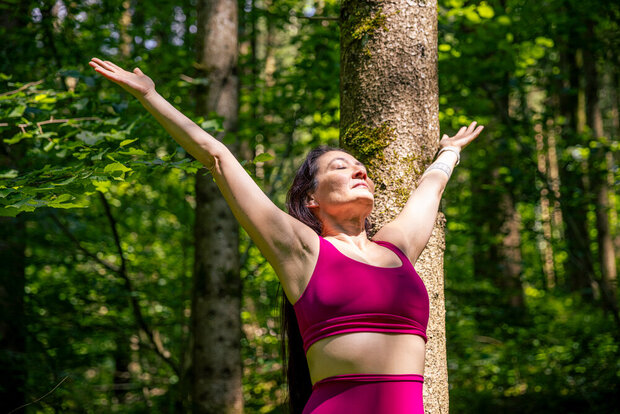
(342, 182)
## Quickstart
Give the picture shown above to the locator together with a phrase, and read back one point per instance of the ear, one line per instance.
(310, 201)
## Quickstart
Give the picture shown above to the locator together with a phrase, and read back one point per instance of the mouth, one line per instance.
(361, 185)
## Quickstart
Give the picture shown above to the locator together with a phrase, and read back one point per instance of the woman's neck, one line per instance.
(352, 230)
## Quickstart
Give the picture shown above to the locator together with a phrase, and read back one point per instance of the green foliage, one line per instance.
(67, 155)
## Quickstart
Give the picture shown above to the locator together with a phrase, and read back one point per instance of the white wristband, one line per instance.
(453, 149)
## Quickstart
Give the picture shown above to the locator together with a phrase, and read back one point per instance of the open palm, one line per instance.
(136, 82)
(463, 137)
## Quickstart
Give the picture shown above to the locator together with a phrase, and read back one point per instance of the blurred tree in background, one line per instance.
(98, 202)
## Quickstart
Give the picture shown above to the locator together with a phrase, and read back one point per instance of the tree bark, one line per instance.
(545, 211)
(216, 304)
(389, 120)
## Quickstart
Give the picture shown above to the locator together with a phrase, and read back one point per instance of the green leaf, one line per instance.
(44, 98)
(116, 170)
(265, 156)
(115, 166)
(18, 137)
(102, 186)
(127, 141)
(48, 147)
(62, 198)
(9, 174)
(17, 111)
(132, 151)
(100, 155)
(6, 191)
(67, 181)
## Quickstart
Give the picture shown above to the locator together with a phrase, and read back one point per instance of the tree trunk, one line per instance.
(12, 323)
(546, 246)
(574, 204)
(598, 173)
(216, 323)
(389, 120)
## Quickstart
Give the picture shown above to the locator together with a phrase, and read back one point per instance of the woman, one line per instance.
(356, 306)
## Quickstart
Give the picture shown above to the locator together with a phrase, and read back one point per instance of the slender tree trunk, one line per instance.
(574, 204)
(122, 376)
(12, 249)
(511, 265)
(545, 211)
(216, 324)
(615, 134)
(554, 184)
(389, 119)
(12, 323)
(598, 173)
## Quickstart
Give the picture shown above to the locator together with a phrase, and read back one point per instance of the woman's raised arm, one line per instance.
(412, 228)
(283, 240)
(190, 136)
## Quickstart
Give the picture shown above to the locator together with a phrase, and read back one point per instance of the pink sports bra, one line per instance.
(345, 295)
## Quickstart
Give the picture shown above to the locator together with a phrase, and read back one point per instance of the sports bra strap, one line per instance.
(401, 255)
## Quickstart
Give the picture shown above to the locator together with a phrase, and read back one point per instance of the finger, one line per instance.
(444, 136)
(115, 66)
(103, 64)
(137, 71)
(470, 137)
(98, 67)
(461, 131)
(471, 127)
(107, 73)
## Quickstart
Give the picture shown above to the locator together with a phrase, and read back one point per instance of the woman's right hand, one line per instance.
(136, 82)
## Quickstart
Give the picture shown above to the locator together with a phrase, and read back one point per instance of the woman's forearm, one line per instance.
(186, 132)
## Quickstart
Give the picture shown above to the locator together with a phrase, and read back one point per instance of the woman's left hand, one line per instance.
(462, 138)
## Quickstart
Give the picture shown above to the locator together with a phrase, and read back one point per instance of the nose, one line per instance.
(360, 172)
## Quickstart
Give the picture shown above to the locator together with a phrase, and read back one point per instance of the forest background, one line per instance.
(98, 201)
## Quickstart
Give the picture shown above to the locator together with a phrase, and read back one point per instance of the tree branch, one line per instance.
(29, 84)
(54, 121)
(156, 344)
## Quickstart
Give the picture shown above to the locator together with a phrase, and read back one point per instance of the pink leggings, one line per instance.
(367, 394)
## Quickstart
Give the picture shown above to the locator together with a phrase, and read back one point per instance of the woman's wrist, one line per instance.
(146, 95)
(445, 162)
(451, 149)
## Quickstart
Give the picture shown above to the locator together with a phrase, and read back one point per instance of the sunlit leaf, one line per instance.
(265, 156)
(127, 142)
(9, 174)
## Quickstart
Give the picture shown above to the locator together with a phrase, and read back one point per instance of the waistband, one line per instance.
(370, 378)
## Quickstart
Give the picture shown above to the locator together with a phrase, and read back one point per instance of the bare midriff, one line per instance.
(366, 353)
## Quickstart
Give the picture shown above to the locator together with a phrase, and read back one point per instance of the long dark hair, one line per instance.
(295, 364)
